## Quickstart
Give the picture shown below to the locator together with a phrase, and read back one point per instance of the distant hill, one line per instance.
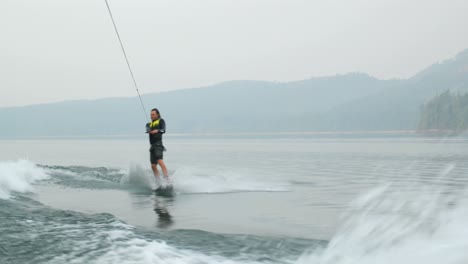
(337, 103)
(237, 106)
(398, 107)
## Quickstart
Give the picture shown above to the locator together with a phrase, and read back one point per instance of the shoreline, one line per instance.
(430, 133)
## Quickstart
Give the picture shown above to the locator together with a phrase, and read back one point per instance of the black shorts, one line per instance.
(156, 153)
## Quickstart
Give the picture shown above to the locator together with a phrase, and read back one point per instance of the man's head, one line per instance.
(154, 114)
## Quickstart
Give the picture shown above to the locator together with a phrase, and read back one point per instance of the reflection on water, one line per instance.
(147, 200)
(164, 217)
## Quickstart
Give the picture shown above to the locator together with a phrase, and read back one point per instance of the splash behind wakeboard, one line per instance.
(167, 191)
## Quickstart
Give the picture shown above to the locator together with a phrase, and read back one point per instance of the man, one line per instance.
(156, 128)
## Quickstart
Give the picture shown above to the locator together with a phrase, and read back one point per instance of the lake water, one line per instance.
(275, 200)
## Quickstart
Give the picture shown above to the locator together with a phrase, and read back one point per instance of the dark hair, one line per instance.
(157, 111)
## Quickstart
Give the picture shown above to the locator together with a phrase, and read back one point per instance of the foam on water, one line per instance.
(417, 224)
(122, 245)
(18, 176)
(142, 251)
(196, 180)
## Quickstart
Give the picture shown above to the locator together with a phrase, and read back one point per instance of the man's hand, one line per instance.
(152, 132)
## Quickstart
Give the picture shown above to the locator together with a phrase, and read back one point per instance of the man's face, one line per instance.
(154, 115)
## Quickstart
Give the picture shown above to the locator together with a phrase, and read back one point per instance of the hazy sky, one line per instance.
(54, 50)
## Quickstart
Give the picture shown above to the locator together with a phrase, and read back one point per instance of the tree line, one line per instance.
(446, 111)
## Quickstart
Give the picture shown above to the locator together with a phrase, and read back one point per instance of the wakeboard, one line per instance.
(166, 191)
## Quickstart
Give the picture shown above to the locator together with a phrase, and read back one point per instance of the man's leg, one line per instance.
(154, 166)
(156, 174)
(163, 168)
(155, 170)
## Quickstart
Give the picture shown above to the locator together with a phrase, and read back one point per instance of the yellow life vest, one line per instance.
(154, 124)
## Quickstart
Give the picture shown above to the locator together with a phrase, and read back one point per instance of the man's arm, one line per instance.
(161, 130)
(162, 126)
(148, 128)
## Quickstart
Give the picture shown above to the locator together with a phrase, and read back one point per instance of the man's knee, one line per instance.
(154, 166)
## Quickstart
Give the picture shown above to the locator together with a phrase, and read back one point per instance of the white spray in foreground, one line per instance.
(420, 224)
(18, 176)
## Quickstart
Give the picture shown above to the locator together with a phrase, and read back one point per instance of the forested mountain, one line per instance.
(447, 111)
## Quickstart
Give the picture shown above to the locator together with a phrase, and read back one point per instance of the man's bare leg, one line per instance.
(163, 168)
(156, 173)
